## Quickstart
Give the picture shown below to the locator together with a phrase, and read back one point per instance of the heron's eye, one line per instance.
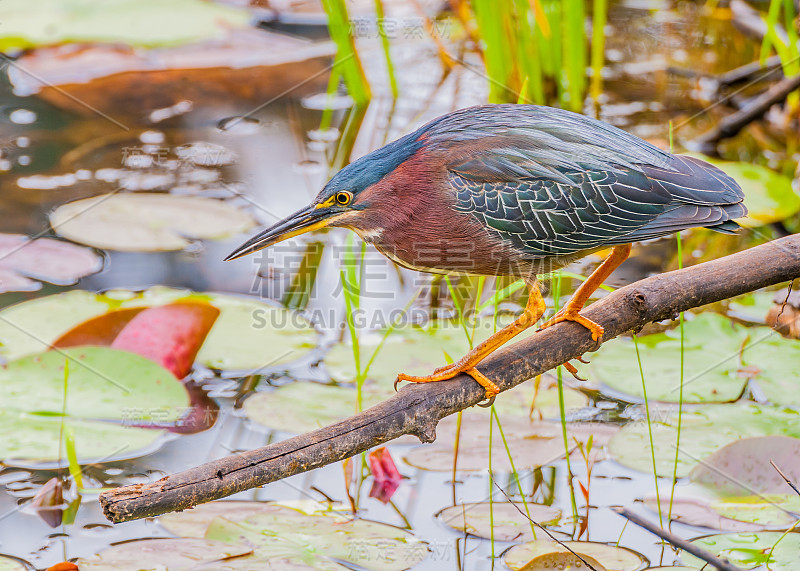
(343, 198)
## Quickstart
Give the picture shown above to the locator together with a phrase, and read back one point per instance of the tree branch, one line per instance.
(416, 409)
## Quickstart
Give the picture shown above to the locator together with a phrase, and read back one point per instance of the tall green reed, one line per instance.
(347, 63)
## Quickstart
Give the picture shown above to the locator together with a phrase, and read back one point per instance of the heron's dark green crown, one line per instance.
(370, 169)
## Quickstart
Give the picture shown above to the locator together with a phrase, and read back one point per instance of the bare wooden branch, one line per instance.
(416, 409)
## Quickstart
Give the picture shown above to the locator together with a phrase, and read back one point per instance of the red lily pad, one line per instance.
(24, 261)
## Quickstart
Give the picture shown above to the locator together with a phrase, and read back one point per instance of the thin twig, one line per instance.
(788, 481)
(707, 556)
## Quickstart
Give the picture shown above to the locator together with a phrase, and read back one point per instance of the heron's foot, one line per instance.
(450, 371)
(568, 314)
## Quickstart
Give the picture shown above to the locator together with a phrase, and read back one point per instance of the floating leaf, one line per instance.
(283, 542)
(776, 511)
(561, 561)
(704, 430)
(711, 363)
(750, 550)
(147, 222)
(752, 307)
(743, 468)
(611, 557)
(281, 534)
(247, 335)
(251, 335)
(45, 259)
(184, 553)
(500, 520)
(109, 391)
(720, 357)
(142, 24)
(9, 563)
(769, 196)
(170, 335)
(304, 406)
(31, 327)
(697, 511)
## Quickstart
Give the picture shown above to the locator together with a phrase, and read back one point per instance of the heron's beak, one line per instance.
(309, 218)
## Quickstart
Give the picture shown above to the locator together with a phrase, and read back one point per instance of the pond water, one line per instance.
(269, 159)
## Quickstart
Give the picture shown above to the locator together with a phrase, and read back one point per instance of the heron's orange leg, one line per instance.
(534, 309)
(570, 311)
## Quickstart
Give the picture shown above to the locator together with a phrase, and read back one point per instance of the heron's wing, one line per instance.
(545, 210)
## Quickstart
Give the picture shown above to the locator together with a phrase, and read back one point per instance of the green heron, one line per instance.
(515, 190)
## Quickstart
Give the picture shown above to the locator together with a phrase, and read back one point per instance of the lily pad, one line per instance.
(252, 335)
(750, 550)
(154, 554)
(711, 363)
(769, 196)
(704, 430)
(147, 222)
(279, 535)
(611, 557)
(143, 24)
(752, 307)
(720, 357)
(562, 561)
(304, 406)
(247, 335)
(31, 327)
(24, 261)
(371, 545)
(501, 520)
(743, 468)
(8, 563)
(109, 393)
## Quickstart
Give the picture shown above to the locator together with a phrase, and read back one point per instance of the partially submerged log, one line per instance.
(417, 409)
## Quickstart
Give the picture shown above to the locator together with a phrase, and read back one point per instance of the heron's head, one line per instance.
(349, 199)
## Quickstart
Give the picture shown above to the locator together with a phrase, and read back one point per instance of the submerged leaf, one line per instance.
(562, 561)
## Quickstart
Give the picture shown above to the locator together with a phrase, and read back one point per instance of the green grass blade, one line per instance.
(649, 429)
(347, 60)
(385, 45)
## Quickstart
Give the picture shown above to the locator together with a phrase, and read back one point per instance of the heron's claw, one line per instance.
(573, 371)
(573, 315)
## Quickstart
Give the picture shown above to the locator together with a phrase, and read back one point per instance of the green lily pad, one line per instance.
(195, 522)
(251, 335)
(147, 222)
(156, 554)
(8, 563)
(148, 23)
(30, 327)
(711, 363)
(304, 406)
(776, 511)
(611, 557)
(299, 540)
(501, 520)
(247, 335)
(769, 196)
(720, 357)
(109, 392)
(752, 307)
(750, 550)
(704, 430)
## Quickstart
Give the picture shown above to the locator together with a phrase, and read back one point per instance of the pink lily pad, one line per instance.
(24, 261)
